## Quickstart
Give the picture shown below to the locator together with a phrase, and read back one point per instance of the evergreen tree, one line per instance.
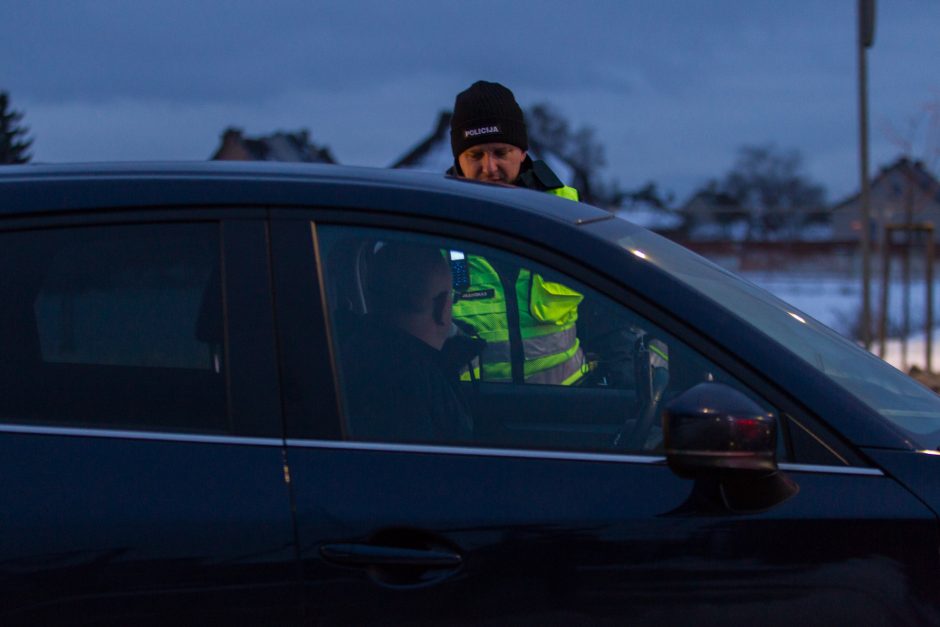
(13, 141)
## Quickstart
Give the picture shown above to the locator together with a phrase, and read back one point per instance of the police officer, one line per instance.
(490, 143)
(528, 322)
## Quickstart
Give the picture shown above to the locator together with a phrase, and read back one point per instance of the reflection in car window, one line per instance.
(117, 327)
(894, 395)
(398, 385)
(85, 302)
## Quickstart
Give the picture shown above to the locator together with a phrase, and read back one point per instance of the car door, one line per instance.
(560, 508)
(140, 433)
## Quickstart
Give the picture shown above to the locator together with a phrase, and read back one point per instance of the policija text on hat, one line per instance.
(490, 143)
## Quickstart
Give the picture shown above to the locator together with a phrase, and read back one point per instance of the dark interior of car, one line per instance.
(616, 407)
(60, 292)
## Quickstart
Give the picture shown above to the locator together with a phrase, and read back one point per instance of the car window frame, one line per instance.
(581, 271)
(252, 405)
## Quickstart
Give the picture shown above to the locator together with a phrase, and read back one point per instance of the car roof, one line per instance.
(66, 187)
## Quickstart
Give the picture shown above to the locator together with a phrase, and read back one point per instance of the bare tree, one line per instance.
(769, 182)
(579, 148)
(919, 139)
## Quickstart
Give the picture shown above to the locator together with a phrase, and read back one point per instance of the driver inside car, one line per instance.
(401, 388)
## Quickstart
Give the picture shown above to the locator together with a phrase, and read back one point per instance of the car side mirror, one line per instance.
(713, 427)
(714, 432)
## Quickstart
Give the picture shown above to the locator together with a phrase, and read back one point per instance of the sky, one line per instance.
(672, 88)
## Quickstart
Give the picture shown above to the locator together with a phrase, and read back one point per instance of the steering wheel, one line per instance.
(651, 376)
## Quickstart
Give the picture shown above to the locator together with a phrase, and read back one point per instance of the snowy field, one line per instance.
(835, 301)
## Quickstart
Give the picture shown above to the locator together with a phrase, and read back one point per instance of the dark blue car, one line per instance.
(182, 439)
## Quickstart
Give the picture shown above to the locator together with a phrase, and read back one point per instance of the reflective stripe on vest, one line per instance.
(536, 347)
(547, 315)
(565, 373)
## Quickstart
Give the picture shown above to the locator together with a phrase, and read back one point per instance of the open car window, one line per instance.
(531, 359)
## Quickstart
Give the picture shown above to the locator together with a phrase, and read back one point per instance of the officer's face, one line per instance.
(493, 163)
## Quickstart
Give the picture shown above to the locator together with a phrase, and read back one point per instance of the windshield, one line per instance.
(894, 395)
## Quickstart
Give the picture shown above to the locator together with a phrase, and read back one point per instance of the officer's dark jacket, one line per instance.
(535, 175)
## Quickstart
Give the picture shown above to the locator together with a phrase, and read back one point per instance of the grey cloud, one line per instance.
(672, 86)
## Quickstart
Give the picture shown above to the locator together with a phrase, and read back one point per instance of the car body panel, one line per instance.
(590, 541)
(104, 528)
(919, 472)
(112, 527)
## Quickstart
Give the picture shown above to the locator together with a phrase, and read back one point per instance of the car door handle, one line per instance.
(363, 555)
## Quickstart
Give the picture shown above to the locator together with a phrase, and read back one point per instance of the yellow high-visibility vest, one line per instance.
(565, 192)
(547, 312)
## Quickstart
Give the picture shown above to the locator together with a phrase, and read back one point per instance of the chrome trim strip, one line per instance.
(477, 452)
(394, 448)
(139, 435)
(831, 470)
(559, 455)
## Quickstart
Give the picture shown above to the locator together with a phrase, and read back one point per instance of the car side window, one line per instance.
(113, 326)
(444, 341)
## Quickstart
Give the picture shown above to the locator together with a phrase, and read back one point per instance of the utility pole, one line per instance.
(866, 37)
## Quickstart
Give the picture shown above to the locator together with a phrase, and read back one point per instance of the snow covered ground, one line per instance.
(835, 301)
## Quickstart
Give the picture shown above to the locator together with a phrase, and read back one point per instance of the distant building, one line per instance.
(712, 216)
(434, 154)
(717, 216)
(663, 221)
(646, 207)
(281, 146)
(901, 191)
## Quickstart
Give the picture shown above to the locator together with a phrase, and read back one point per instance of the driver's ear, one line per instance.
(438, 305)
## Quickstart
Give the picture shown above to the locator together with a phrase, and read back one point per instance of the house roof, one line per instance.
(912, 171)
(283, 146)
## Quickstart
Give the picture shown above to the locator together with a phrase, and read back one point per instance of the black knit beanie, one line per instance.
(486, 113)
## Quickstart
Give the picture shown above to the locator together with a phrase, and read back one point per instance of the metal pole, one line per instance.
(866, 21)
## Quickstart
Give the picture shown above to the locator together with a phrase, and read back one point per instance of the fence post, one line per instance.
(888, 240)
(928, 336)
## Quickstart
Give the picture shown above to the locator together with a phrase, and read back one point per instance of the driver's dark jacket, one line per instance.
(399, 389)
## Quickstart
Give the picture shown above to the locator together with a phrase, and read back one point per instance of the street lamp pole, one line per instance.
(866, 37)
